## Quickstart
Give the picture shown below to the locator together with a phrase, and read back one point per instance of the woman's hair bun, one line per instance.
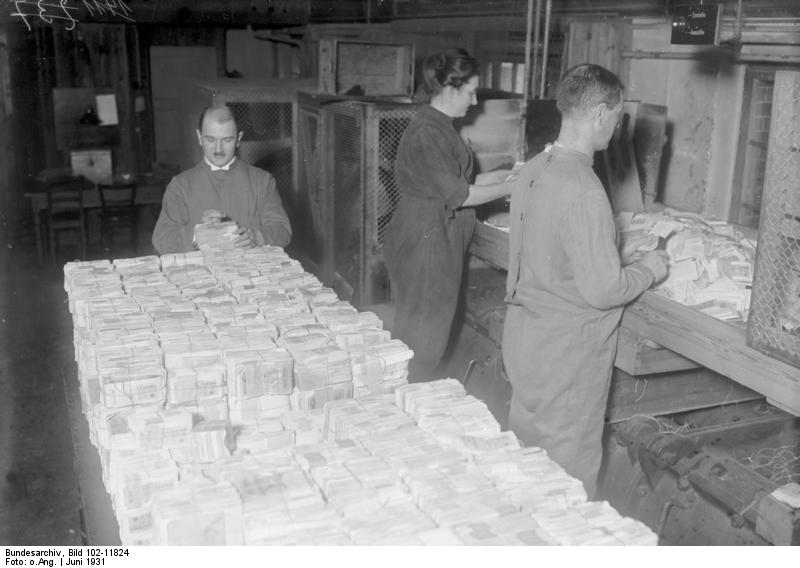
(449, 68)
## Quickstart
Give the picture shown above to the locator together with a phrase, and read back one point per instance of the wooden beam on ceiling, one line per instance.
(230, 13)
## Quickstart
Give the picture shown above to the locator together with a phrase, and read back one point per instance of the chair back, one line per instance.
(118, 195)
(65, 194)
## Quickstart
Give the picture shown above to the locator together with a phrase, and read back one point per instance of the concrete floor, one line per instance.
(40, 502)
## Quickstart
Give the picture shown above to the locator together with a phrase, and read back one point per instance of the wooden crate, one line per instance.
(638, 356)
(365, 69)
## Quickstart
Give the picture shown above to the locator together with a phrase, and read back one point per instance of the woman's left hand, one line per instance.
(496, 176)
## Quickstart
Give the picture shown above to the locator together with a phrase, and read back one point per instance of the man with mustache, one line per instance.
(221, 186)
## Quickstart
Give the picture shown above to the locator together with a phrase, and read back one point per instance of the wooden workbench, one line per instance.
(714, 344)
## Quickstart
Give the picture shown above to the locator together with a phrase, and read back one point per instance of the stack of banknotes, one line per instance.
(234, 399)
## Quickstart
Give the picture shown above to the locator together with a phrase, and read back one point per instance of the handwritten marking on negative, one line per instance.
(48, 12)
(60, 11)
(113, 7)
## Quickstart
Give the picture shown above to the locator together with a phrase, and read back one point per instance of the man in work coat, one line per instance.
(221, 186)
(566, 286)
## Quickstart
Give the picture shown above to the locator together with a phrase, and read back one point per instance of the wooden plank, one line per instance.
(715, 344)
(491, 245)
(361, 68)
(656, 395)
(636, 356)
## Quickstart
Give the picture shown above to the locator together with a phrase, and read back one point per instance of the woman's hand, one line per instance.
(496, 176)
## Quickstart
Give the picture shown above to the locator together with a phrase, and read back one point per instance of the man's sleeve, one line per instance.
(589, 238)
(172, 233)
(273, 221)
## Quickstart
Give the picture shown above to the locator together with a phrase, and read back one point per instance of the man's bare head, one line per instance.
(218, 134)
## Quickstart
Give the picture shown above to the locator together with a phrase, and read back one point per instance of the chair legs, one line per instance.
(52, 241)
(108, 230)
(83, 242)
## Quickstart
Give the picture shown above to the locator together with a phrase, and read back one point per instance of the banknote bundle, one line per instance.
(258, 372)
(199, 513)
(234, 400)
(218, 236)
(710, 263)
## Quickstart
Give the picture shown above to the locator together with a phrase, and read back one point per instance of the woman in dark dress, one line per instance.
(427, 238)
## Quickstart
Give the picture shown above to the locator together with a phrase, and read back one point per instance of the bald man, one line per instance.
(221, 186)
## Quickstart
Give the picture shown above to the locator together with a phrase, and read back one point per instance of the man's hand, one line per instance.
(656, 262)
(633, 248)
(246, 238)
(211, 216)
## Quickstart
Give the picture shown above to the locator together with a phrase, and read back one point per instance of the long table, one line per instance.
(715, 344)
(149, 192)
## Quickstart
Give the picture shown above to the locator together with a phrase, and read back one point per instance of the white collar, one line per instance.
(214, 168)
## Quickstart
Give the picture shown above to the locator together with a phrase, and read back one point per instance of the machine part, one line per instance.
(718, 499)
(648, 445)
(483, 363)
(667, 509)
(665, 512)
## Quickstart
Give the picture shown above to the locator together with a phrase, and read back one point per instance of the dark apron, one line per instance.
(426, 244)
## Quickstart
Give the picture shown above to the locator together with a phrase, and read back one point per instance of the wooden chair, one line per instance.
(118, 210)
(65, 211)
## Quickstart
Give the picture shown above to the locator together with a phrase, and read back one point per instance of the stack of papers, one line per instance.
(193, 385)
(710, 265)
(319, 367)
(160, 429)
(215, 236)
(258, 409)
(379, 368)
(235, 400)
(258, 372)
(198, 514)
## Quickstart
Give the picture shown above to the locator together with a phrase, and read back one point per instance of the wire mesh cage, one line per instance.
(265, 113)
(773, 325)
(266, 138)
(363, 142)
(308, 197)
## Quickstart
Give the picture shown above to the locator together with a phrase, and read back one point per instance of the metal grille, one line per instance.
(364, 145)
(311, 227)
(348, 195)
(267, 129)
(774, 322)
(390, 124)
